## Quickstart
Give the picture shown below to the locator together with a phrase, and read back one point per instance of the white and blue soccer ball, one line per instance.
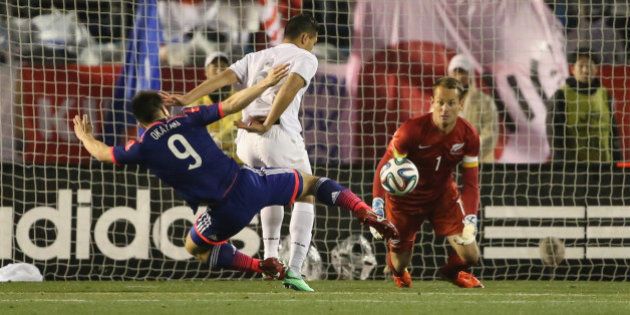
(399, 176)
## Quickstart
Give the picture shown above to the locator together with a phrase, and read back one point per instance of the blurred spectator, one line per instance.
(581, 119)
(67, 31)
(223, 131)
(56, 37)
(479, 108)
(592, 24)
(334, 35)
(621, 23)
(195, 28)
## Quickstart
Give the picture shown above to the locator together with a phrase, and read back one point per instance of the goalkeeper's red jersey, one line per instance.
(436, 155)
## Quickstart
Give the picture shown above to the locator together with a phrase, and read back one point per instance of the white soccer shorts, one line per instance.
(275, 148)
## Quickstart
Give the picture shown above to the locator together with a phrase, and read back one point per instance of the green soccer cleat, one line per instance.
(295, 281)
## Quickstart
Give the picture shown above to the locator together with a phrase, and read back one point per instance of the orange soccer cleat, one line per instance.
(272, 268)
(466, 280)
(403, 281)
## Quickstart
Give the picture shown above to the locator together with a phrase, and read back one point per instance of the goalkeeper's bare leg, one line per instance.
(398, 261)
(460, 259)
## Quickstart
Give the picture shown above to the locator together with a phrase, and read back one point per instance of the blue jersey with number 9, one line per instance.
(182, 153)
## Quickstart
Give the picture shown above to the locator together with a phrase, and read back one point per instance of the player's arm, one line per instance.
(378, 193)
(470, 190)
(398, 148)
(83, 131)
(241, 99)
(302, 71)
(285, 95)
(227, 77)
(470, 184)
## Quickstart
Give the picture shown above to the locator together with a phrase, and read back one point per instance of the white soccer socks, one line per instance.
(271, 221)
(300, 229)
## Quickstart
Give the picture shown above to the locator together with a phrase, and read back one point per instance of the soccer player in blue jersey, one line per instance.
(180, 152)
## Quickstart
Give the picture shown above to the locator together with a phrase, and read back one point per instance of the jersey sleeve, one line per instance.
(240, 68)
(403, 141)
(470, 174)
(305, 66)
(128, 154)
(205, 115)
(471, 150)
(377, 189)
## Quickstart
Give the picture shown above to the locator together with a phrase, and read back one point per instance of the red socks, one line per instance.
(246, 263)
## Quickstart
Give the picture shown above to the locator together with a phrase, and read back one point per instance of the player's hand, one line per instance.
(252, 126)
(469, 233)
(172, 99)
(378, 205)
(82, 127)
(275, 75)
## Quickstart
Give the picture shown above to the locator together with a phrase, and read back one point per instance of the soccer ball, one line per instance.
(551, 251)
(399, 176)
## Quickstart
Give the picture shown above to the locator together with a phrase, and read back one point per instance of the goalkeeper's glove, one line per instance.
(378, 205)
(470, 230)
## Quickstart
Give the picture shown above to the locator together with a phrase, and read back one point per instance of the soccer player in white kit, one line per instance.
(270, 134)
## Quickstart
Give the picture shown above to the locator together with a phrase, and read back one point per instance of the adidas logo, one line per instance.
(335, 195)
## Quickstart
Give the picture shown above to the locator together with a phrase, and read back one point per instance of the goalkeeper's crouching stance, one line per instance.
(436, 143)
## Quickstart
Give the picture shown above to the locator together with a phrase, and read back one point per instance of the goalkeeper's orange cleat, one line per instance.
(380, 224)
(403, 281)
(466, 280)
(272, 268)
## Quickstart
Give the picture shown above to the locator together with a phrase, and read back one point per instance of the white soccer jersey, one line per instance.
(254, 67)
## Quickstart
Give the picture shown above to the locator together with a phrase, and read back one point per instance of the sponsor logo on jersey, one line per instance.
(457, 148)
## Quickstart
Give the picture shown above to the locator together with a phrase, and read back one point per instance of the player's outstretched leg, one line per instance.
(331, 193)
(225, 255)
(457, 270)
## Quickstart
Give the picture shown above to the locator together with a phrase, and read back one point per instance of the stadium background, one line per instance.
(376, 69)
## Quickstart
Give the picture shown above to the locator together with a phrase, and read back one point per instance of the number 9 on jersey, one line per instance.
(399, 176)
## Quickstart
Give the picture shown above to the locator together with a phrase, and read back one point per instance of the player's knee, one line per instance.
(308, 187)
(194, 250)
(190, 246)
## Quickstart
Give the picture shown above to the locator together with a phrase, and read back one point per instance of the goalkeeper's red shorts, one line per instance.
(445, 214)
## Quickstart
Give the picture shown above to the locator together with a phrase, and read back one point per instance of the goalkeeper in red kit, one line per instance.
(436, 143)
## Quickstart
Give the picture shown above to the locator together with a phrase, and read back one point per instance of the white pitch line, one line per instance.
(271, 294)
(311, 301)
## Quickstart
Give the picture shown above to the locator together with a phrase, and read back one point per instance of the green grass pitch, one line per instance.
(332, 297)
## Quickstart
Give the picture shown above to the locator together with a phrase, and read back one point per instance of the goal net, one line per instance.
(553, 125)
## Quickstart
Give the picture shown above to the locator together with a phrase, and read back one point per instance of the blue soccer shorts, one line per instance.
(253, 190)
